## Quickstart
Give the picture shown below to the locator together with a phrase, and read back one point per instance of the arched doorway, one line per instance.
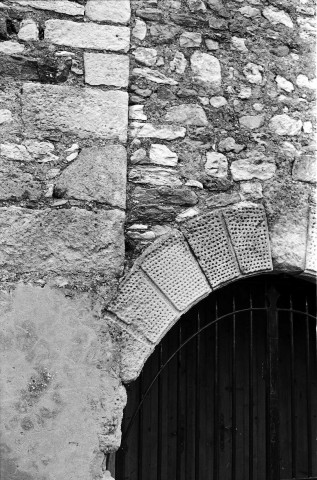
(230, 393)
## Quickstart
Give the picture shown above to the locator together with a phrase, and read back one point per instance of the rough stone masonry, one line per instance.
(122, 125)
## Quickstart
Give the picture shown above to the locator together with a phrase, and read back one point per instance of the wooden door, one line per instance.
(231, 391)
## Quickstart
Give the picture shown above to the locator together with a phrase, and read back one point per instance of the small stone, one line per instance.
(153, 76)
(139, 30)
(163, 33)
(11, 48)
(218, 102)
(252, 121)
(155, 176)
(216, 165)
(239, 44)
(222, 199)
(73, 148)
(162, 132)
(253, 73)
(250, 12)
(303, 82)
(161, 155)
(160, 62)
(206, 69)
(145, 56)
(305, 169)
(189, 213)
(245, 92)
(13, 151)
(196, 5)
(194, 183)
(258, 107)
(65, 53)
(187, 114)
(190, 39)
(204, 100)
(136, 112)
(179, 63)
(53, 173)
(285, 125)
(284, 84)
(139, 156)
(251, 190)
(39, 149)
(248, 169)
(281, 51)
(29, 30)
(307, 127)
(108, 11)
(72, 156)
(211, 44)
(227, 144)
(5, 116)
(152, 14)
(106, 69)
(276, 16)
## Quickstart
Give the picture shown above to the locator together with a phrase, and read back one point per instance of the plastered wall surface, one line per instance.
(150, 152)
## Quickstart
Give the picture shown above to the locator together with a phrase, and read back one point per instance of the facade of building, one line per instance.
(150, 154)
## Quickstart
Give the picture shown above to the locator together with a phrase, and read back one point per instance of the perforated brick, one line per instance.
(140, 304)
(208, 238)
(311, 251)
(133, 351)
(175, 271)
(249, 235)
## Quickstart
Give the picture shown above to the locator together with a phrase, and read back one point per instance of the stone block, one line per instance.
(172, 267)
(206, 70)
(140, 304)
(250, 168)
(248, 232)
(162, 132)
(305, 169)
(115, 11)
(98, 174)
(187, 114)
(71, 242)
(106, 69)
(87, 35)
(311, 250)
(208, 239)
(155, 176)
(59, 6)
(17, 184)
(84, 112)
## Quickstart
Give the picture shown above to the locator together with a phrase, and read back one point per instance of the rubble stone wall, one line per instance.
(149, 153)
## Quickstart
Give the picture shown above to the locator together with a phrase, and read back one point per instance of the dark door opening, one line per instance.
(231, 391)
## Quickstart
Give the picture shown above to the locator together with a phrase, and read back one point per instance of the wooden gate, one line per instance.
(231, 391)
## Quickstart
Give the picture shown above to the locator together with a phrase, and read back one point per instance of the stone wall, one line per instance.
(212, 179)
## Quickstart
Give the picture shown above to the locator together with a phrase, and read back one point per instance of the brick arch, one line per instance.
(180, 269)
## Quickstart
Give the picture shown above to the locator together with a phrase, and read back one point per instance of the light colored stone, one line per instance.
(145, 56)
(16, 184)
(251, 190)
(245, 92)
(115, 11)
(106, 69)
(162, 132)
(5, 116)
(13, 151)
(60, 6)
(252, 73)
(99, 174)
(179, 63)
(84, 112)
(284, 84)
(41, 151)
(154, 76)
(216, 165)
(190, 39)
(252, 121)
(186, 214)
(139, 156)
(29, 30)
(11, 48)
(162, 155)
(155, 176)
(248, 169)
(87, 35)
(194, 183)
(249, 12)
(258, 107)
(285, 125)
(136, 112)
(305, 169)
(139, 30)
(211, 44)
(302, 81)
(206, 69)
(218, 102)
(307, 127)
(239, 44)
(196, 5)
(187, 114)
(276, 16)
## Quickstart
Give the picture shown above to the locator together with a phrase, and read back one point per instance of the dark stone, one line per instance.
(163, 33)
(150, 14)
(281, 51)
(182, 196)
(216, 184)
(222, 199)
(135, 99)
(187, 20)
(156, 214)
(3, 29)
(19, 67)
(164, 93)
(186, 92)
(218, 23)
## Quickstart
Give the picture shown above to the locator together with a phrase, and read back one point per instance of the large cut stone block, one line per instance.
(116, 11)
(84, 112)
(208, 239)
(60, 6)
(98, 174)
(70, 242)
(248, 231)
(87, 35)
(172, 267)
(106, 69)
(60, 402)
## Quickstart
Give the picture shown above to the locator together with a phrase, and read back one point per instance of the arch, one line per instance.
(180, 269)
